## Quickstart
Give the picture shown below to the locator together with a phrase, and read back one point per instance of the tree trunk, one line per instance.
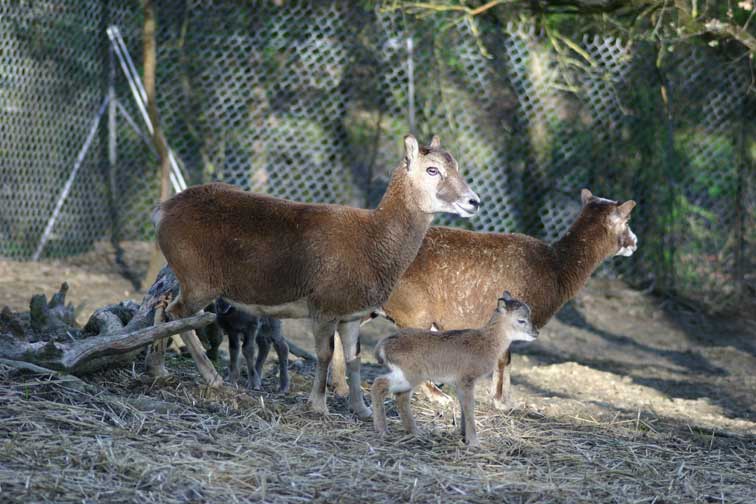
(157, 261)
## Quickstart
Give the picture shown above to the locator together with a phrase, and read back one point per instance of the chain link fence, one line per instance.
(309, 101)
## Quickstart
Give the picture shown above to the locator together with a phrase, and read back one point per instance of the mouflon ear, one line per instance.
(223, 307)
(435, 142)
(586, 196)
(411, 151)
(625, 208)
(504, 300)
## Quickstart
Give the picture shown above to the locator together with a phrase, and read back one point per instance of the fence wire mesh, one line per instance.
(309, 101)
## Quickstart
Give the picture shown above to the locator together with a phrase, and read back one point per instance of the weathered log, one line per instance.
(49, 336)
(78, 356)
(113, 344)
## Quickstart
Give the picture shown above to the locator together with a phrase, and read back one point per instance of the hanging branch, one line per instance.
(688, 20)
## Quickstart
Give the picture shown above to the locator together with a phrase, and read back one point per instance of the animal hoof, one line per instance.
(216, 382)
(362, 411)
(380, 429)
(284, 388)
(504, 405)
(158, 372)
(318, 405)
(473, 443)
(341, 391)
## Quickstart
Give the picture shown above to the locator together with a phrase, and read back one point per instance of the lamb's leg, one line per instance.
(378, 393)
(212, 337)
(501, 383)
(350, 338)
(233, 351)
(338, 368)
(323, 332)
(263, 349)
(466, 395)
(460, 395)
(249, 347)
(403, 404)
(435, 394)
(282, 350)
(181, 308)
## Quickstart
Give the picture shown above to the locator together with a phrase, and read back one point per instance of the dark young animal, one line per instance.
(256, 334)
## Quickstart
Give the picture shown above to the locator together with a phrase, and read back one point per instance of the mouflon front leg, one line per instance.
(350, 338)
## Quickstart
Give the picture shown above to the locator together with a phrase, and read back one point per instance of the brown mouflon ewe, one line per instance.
(457, 357)
(457, 273)
(329, 263)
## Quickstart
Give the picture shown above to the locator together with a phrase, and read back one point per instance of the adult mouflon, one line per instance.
(330, 263)
(456, 275)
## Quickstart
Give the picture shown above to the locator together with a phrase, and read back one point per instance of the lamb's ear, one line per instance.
(507, 296)
(625, 208)
(585, 196)
(223, 307)
(435, 142)
(501, 305)
(411, 151)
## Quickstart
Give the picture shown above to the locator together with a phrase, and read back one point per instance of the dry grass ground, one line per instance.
(622, 399)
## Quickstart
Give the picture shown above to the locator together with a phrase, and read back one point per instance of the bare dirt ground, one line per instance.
(624, 398)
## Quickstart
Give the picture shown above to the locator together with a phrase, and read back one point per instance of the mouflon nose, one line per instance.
(474, 202)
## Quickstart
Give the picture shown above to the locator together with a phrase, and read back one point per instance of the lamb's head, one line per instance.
(238, 320)
(513, 317)
(613, 217)
(435, 179)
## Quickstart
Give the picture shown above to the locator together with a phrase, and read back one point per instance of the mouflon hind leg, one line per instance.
(403, 405)
(181, 308)
(337, 376)
(378, 393)
(249, 348)
(282, 350)
(323, 333)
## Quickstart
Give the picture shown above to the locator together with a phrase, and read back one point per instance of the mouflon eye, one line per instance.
(521, 322)
(432, 171)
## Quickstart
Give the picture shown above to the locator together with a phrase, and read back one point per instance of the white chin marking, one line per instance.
(462, 211)
(625, 251)
(628, 251)
(524, 337)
